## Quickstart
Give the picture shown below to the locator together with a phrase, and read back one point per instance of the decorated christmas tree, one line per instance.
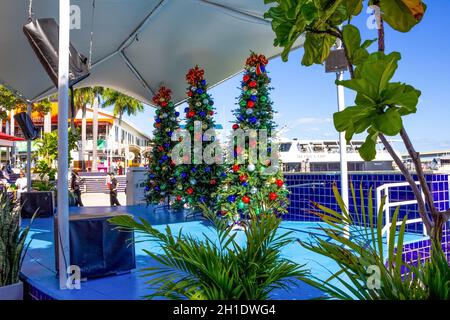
(254, 184)
(199, 175)
(161, 177)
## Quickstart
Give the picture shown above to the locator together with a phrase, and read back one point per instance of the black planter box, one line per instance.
(98, 248)
(42, 202)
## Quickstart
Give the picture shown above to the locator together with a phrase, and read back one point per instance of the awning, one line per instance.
(7, 137)
(139, 45)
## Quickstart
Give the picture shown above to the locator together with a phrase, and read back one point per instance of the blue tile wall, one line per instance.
(307, 188)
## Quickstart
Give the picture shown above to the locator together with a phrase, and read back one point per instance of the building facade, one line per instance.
(119, 143)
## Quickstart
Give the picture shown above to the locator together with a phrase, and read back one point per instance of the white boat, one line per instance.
(323, 155)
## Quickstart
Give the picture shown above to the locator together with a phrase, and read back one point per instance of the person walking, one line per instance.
(21, 185)
(113, 190)
(75, 183)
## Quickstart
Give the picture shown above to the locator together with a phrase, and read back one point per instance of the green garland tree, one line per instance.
(161, 176)
(200, 174)
(249, 188)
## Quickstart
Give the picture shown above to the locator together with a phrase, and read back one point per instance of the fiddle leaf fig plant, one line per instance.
(380, 104)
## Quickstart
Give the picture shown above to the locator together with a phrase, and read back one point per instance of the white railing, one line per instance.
(384, 191)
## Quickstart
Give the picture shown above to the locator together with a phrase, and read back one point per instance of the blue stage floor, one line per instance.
(39, 264)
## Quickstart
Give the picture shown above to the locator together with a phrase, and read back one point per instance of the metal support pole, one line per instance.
(63, 144)
(94, 167)
(12, 132)
(343, 149)
(29, 154)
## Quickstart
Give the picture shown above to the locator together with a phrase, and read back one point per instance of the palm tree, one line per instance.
(122, 104)
(82, 97)
(97, 97)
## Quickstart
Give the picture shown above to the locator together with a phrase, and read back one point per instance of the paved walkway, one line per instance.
(101, 199)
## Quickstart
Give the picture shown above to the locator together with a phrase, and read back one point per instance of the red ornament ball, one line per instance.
(242, 178)
(273, 196)
(190, 190)
(213, 182)
(235, 126)
(189, 93)
(246, 199)
(235, 167)
(161, 148)
(163, 104)
(179, 198)
(246, 78)
(279, 182)
(252, 84)
(250, 104)
(190, 114)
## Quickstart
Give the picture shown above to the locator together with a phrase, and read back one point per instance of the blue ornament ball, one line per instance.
(203, 82)
(231, 198)
(177, 114)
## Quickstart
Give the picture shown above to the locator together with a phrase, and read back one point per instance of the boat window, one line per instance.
(284, 147)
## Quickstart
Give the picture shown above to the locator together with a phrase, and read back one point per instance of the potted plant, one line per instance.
(12, 248)
(41, 198)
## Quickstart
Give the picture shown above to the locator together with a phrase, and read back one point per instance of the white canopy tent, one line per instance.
(137, 46)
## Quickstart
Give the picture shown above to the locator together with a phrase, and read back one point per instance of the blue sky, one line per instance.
(305, 97)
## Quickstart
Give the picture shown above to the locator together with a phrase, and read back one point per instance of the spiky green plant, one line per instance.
(222, 269)
(13, 243)
(365, 271)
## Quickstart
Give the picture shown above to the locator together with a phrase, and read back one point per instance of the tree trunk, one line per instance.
(83, 140)
(95, 134)
(48, 122)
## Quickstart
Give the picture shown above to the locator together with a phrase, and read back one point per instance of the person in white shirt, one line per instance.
(21, 184)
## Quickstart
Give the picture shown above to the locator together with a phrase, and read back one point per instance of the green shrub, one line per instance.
(12, 241)
(222, 269)
(362, 253)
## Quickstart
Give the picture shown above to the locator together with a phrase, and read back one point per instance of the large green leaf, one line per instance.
(402, 15)
(317, 48)
(356, 52)
(402, 95)
(317, 19)
(390, 122)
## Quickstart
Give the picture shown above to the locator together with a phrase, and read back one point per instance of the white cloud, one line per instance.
(311, 120)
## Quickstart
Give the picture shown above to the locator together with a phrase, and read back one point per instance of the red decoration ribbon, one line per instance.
(195, 75)
(256, 59)
(162, 96)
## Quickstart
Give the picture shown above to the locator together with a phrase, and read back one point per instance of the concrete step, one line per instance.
(97, 184)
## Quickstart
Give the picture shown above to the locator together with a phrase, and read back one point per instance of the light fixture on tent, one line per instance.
(43, 37)
(27, 126)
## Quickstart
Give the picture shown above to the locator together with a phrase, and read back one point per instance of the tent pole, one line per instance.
(29, 154)
(63, 134)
